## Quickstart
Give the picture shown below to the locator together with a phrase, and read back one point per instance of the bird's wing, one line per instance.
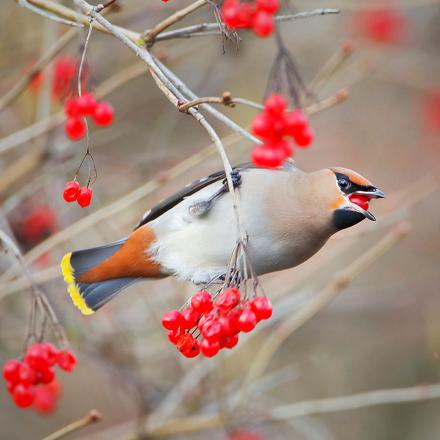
(170, 202)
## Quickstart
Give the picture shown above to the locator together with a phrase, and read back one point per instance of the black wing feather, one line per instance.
(170, 202)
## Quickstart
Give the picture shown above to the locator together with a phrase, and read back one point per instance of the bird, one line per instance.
(288, 215)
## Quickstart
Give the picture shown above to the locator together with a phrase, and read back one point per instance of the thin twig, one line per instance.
(183, 88)
(92, 417)
(326, 103)
(75, 17)
(333, 64)
(192, 424)
(37, 129)
(215, 28)
(151, 34)
(49, 15)
(38, 294)
(225, 99)
(21, 85)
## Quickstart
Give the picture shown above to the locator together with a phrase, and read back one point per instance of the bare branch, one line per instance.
(225, 99)
(150, 35)
(92, 417)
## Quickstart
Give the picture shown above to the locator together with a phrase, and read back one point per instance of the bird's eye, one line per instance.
(343, 183)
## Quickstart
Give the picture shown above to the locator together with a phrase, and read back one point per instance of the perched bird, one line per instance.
(287, 214)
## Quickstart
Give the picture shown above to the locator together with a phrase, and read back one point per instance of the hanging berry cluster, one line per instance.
(28, 381)
(216, 323)
(73, 192)
(273, 126)
(258, 15)
(77, 108)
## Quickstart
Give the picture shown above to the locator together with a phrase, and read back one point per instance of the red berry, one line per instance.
(27, 375)
(185, 342)
(246, 15)
(262, 126)
(247, 321)
(212, 330)
(228, 299)
(23, 395)
(231, 13)
(172, 320)
(64, 76)
(75, 128)
(37, 357)
(280, 145)
(39, 224)
(206, 319)
(383, 25)
(45, 400)
(304, 138)
(174, 335)
(270, 6)
(86, 104)
(52, 352)
(84, 196)
(103, 114)
(209, 348)
(46, 376)
(66, 360)
(54, 387)
(193, 351)
(295, 122)
(267, 157)
(71, 191)
(202, 302)
(71, 108)
(189, 318)
(264, 24)
(11, 370)
(10, 386)
(227, 325)
(275, 105)
(231, 341)
(262, 307)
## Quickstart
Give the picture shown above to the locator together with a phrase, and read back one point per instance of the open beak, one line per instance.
(366, 196)
(374, 193)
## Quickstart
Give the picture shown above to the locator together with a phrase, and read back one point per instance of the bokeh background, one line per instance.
(382, 331)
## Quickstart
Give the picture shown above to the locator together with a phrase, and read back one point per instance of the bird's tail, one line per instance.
(95, 276)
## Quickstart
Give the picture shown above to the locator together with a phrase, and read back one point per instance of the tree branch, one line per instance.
(90, 418)
(151, 34)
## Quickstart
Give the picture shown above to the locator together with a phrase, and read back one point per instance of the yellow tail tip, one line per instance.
(72, 287)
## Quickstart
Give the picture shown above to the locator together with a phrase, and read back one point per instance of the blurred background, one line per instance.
(381, 332)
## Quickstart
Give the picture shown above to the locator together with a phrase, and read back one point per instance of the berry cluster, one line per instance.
(257, 15)
(273, 126)
(77, 108)
(216, 323)
(73, 192)
(24, 378)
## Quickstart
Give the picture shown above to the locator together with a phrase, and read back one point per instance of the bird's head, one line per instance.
(352, 195)
(344, 194)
